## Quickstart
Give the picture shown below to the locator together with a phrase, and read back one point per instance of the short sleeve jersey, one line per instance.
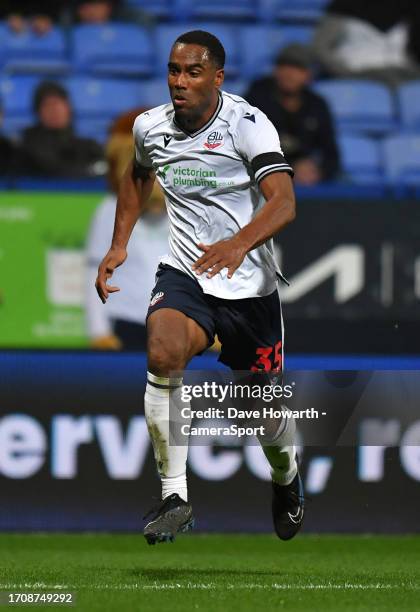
(210, 179)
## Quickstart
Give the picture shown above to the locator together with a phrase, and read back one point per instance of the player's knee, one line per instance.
(164, 358)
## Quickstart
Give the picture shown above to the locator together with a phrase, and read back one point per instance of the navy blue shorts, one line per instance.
(250, 330)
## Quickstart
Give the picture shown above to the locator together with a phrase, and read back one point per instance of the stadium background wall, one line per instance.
(353, 288)
(75, 455)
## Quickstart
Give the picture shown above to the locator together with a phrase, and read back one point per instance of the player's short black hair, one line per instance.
(207, 40)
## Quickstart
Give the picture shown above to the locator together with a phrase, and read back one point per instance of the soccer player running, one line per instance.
(228, 190)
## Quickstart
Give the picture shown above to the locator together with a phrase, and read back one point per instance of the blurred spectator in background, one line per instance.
(23, 14)
(51, 147)
(378, 39)
(301, 117)
(6, 150)
(96, 11)
(121, 322)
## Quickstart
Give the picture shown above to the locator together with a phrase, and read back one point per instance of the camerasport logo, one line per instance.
(158, 297)
(214, 140)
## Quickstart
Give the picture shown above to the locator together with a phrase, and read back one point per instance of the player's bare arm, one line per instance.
(278, 211)
(133, 193)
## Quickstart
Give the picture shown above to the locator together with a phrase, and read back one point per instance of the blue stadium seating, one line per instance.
(360, 105)
(154, 92)
(409, 104)
(295, 11)
(12, 126)
(16, 93)
(361, 108)
(361, 159)
(298, 11)
(102, 98)
(402, 159)
(235, 86)
(30, 53)
(260, 44)
(92, 127)
(217, 9)
(166, 34)
(114, 50)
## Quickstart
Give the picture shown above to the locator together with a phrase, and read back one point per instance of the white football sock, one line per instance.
(281, 452)
(171, 458)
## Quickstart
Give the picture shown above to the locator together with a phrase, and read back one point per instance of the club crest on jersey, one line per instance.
(158, 297)
(214, 140)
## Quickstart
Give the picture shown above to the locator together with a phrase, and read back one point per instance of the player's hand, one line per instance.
(223, 254)
(113, 259)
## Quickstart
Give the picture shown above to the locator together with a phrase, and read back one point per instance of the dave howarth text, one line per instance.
(234, 413)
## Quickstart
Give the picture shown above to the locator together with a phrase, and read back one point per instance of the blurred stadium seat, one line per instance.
(297, 11)
(409, 104)
(217, 9)
(102, 98)
(13, 126)
(163, 9)
(166, 34)
(154, 93)
(360, 106)
(112, 49)
(30, 53)
(92, 127)
(260, 44)
(402, 159)
(361, 159)
(16, 93)
(235, 86)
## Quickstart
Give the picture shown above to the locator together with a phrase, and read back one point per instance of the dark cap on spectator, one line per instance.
(48, 88)
(295, 55)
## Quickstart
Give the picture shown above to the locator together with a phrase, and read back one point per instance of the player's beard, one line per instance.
(187, 119)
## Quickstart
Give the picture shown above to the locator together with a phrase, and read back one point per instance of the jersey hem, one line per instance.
(169, 262)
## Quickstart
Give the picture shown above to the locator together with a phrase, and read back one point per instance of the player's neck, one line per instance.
(196, 122)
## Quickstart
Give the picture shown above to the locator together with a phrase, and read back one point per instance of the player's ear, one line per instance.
(219, 77)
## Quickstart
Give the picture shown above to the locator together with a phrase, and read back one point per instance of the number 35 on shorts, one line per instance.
(269, 358)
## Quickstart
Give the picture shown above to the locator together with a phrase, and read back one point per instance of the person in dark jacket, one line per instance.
(6, 155)
(301, 117)
(51, 147)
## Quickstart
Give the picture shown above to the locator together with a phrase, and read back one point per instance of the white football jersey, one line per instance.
(210, 181)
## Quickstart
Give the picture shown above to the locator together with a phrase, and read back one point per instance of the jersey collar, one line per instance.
(209, 122)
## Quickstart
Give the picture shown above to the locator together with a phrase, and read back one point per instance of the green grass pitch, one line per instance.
(216, 572)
